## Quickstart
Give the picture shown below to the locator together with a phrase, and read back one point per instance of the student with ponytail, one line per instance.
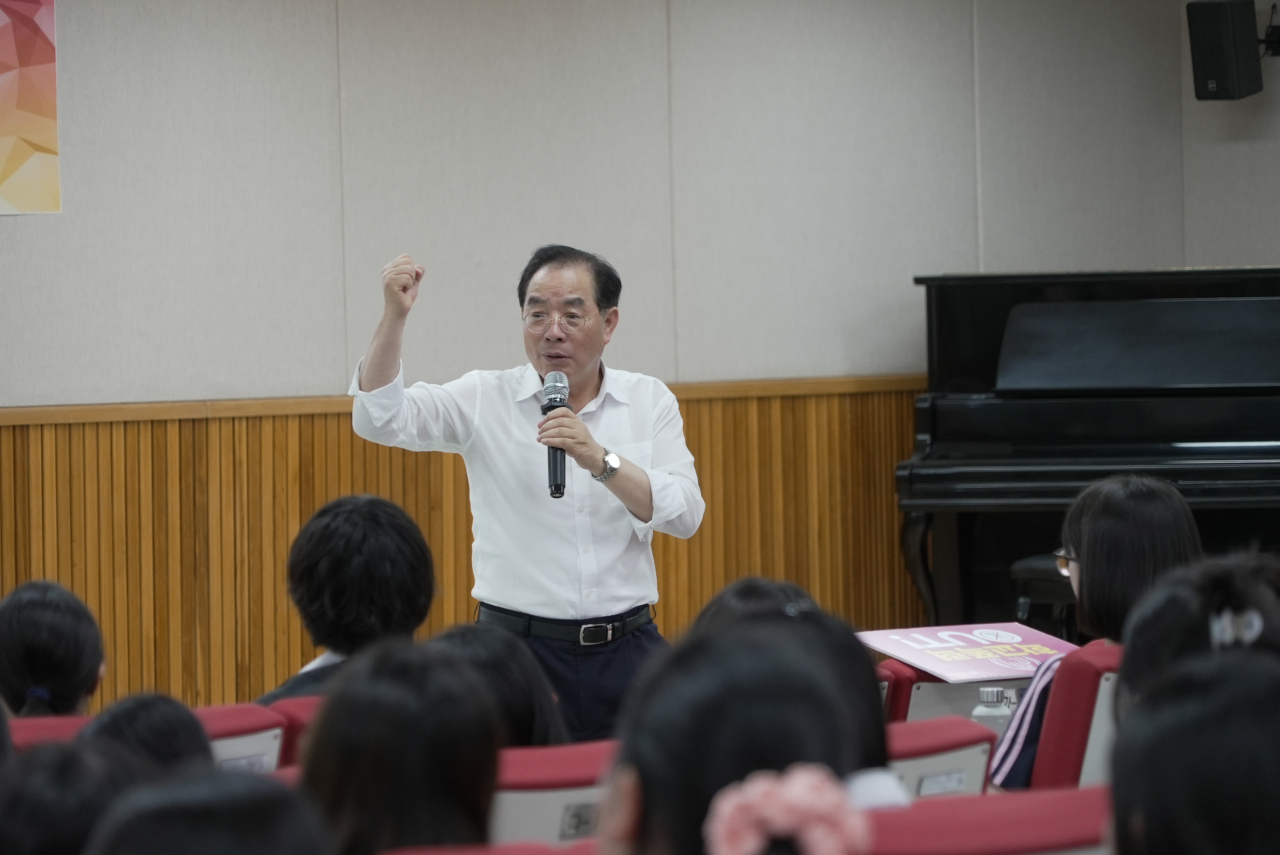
(50, 651)
(1217, 605)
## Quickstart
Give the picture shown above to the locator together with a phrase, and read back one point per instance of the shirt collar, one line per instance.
(531, 385)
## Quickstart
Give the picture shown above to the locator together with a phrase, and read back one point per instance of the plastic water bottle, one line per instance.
(991, 710)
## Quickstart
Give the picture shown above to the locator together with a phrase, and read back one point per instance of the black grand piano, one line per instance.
(1040, 384)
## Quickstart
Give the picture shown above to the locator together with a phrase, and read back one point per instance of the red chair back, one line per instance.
(546, 767)
(297, 714)
(549, 793)
(1021, 823)
(903, 678)
(949, 755)
(244, 737)
(1079, 721)
(27, 732)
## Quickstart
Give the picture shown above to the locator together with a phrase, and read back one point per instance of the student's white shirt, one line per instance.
(581, 556)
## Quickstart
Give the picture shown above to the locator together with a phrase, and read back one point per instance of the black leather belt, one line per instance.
(585, 633)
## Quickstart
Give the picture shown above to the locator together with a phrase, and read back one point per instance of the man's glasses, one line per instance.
(540, 322)
(1064, 560)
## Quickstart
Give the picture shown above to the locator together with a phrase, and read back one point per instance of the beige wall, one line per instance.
(767, 176)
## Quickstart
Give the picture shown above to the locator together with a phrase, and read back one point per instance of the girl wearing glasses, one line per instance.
(1119, 536)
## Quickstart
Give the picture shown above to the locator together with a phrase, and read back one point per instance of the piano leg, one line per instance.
(915, 549)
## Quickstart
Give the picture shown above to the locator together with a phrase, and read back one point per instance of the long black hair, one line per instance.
(50, 650)
(1125, 531)
(405, 752)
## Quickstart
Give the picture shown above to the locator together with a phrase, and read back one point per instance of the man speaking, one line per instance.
(573, 575)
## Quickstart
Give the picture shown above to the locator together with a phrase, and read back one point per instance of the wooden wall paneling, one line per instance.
(150, 503)
(175, 530)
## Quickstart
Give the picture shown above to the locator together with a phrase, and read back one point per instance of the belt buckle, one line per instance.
(582, 633)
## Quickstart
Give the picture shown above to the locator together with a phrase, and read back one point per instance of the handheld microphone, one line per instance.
(555, 389)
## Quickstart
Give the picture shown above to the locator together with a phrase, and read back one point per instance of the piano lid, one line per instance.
(969, 316)
(1141, 345)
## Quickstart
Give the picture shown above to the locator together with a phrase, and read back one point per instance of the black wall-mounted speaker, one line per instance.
(1224, 49)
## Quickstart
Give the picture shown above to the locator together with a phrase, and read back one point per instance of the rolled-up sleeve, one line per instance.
(673, 480)
(423, 417)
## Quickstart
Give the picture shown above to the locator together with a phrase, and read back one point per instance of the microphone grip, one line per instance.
(555, 472)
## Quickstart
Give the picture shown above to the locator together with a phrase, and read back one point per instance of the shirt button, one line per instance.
(586, 549)
(582, 509)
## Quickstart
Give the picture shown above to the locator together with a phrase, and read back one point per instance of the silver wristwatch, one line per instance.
(611, 464)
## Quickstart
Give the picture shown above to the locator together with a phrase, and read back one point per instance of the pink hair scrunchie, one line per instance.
(805, 804)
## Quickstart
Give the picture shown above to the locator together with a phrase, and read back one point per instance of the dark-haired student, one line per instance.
(749, 594)
(573, 576)
(51, 796)
(788, 608)
(744, 705)
(1196, 764)
(1219, 604)
(157, 727)
(405, 752)
(530, 715)
(214, 814)
(359, 572)
(1119, 536)
(51, 658)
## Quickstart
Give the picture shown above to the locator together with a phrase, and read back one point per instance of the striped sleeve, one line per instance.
(1015, 740)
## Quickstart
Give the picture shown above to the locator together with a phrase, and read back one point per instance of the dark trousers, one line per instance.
(589, 681)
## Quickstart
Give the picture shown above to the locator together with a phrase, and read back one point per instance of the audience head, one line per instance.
(1218, 604)
(1196, 764)
(214, 814)
(359, 571)
(405, 752)
(717, 708)
(517, 682)
(787, 607)
(50, 651)
(749, 594)
(1120, 535)
(51, 796)
(156, 727)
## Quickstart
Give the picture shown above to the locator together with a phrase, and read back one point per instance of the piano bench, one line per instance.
(1037, 581)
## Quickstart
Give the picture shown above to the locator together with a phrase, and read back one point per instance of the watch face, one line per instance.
(612, 460)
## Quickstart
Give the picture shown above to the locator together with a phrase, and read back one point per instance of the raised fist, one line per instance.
(400, 281)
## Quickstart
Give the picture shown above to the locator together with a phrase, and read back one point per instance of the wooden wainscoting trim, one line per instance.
(799, 386)
(338, 404)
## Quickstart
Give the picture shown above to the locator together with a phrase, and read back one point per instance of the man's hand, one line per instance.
(561, 428)
(400, 281)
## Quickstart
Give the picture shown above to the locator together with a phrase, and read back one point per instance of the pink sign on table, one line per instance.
(971, 652)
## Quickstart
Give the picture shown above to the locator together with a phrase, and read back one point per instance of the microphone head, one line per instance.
(556, 388)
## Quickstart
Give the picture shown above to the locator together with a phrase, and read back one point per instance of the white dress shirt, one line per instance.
(581, 556)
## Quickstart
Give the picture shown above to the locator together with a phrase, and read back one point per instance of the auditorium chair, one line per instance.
(1079, 721)
(915, 695)
(244, 737)
(1029, 822)
(943, 756)
(27, 732)
(297, 714)
(549, 793)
